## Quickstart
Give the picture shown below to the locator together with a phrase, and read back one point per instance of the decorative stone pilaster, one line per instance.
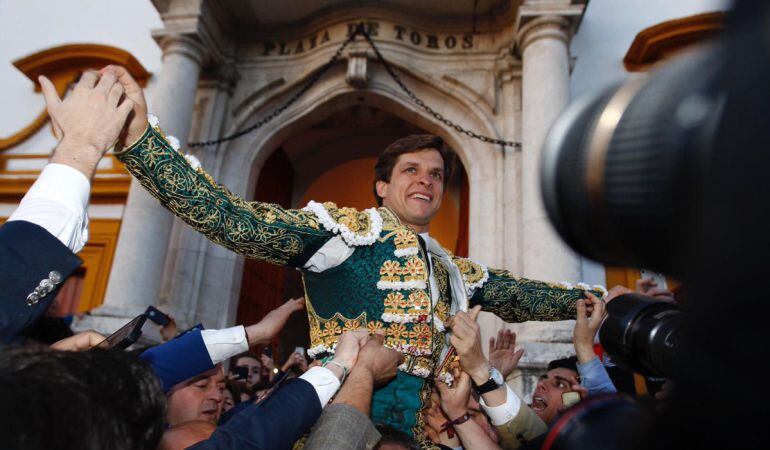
(356, 75)
(138, 267)
(543, 43)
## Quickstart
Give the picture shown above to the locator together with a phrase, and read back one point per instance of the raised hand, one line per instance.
(503, 355)
(138, 118)
(650, 288)
(380, 362)
(88, 120)
(586, 326)
(454, 400)
(80, 342)
(168, 331)
(466, 338)
(348, 347)
(267, 328)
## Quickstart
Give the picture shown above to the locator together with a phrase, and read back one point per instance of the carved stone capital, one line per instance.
(544, 27)
(227, 76)
(183, 44)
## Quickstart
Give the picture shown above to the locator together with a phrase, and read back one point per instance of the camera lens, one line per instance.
(619, 165)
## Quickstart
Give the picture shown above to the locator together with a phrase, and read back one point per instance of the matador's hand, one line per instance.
(137, 120)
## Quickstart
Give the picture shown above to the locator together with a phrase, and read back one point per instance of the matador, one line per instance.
(377, 269)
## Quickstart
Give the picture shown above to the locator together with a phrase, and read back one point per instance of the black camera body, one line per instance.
(642, 334)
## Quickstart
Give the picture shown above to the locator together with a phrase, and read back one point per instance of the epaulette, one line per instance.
(474, 274)
(356, 228)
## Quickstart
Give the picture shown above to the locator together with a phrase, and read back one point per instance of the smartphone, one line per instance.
(300, 350)
(241, 373)
(656, 277)
(126, 335)
(570, 398)
(157, 316)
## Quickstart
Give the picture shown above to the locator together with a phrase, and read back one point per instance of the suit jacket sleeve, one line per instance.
(262, 231)
(277, 423)
(515, 299)
(523, 428)
(28, 255)
(342, 427)
(179, 359)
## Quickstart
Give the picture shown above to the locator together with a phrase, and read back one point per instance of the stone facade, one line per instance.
(508, 79)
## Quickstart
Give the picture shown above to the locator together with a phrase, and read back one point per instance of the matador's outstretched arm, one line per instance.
(519, 299)
(256, 230)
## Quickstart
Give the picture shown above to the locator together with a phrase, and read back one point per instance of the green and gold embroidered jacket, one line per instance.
(383, 282)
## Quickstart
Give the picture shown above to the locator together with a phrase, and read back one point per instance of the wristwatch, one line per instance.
(495, 381)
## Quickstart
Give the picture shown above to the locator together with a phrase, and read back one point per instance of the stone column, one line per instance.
(138, 267)
(543, 43)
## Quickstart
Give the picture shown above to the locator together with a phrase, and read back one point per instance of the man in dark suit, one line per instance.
(40, 239)
(292, 409)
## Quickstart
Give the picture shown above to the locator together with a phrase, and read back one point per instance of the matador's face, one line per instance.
(415, 189)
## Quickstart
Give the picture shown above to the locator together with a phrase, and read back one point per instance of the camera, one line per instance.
(670, 172)
(642, 334)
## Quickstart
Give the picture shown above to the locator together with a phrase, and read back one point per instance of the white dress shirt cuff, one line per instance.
(57, 201)
(504, 413)
(324, 381)
(223, 344)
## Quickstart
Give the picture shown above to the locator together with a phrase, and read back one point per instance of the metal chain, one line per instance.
(317, 76)
(310, 82)
(437, 115)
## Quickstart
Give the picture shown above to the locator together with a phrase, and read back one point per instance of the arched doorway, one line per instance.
(333, 160)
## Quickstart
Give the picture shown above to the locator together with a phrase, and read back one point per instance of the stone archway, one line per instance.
(332, 160)
(485, 174)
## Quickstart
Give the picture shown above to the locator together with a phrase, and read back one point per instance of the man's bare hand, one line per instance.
(89, 119)
(454, 400)
(616, 291)
(650, 288)
(466, 339)
(137, 122)
(295, 359)
(267, 328)
(381, 363)
(267, 363)
(168, 331)
(80, 342)
(348, 347)
(586, 326)
(503, 355)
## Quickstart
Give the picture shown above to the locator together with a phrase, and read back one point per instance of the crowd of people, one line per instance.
(219, 389)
